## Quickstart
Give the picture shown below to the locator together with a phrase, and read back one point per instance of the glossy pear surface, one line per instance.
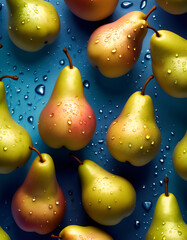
(39, 204)
(134, 136)
(14, 139)
(169, 60)
(92, 10)
(32, 23)
(180, 158)
(88, 233)
(67, 120)
(167, 220)
(173, 6)
(114, 48)
(4, 235)
(107, 198)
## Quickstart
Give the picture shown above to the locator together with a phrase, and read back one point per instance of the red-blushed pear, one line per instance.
(134, 136)
(92, 10)
(4, 235)
(39, 204)
(67, 120)
(114, 48)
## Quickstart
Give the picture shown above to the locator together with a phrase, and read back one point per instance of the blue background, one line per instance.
(107, 97)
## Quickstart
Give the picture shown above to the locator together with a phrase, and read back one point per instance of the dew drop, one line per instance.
(86, 84)
(50, 206)
(148, 56)
(40, 89)
(69, 122)
(147, 205)
(169, 71)
(30, 119)
(143, 4)
(62, 62)
(5, 149)
(126, 4)
(137, 224)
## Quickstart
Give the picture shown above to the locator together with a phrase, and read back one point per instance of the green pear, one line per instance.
(106, 198)
(173, 6)
(115, 47)
(76, 232)
(32, 23)
(169, 62)
(180, 157)
(134, 136)
(14, 139)
(67, 120)
(167, 221)
(4, 235)
(39, 203)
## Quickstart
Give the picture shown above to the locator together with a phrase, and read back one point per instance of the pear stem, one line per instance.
(166, 180)
(53, 236)
(157, 33)
(76, 158)
(1, 45)
(9, 76)
(39, 154)
(149, 13)
(145, 84)
(69, 58)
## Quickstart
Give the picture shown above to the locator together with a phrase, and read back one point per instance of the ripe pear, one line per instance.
(106, 198)
(167, 221)
(67, 120)
(115, 47)
(180, 157)
(173, 6)
(76, 232)
(14, 139)
(92, 10)
(39, 204)
(4, 235)
(32, 23)
(169, 61)
(134, 136)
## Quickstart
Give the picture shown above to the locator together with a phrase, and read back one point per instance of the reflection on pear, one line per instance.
(4, 235)
(67, 119)
(32, 23)
(39, 204)
(173, 6)
(14, 139)
(75, 232)
(167, 221)
(134, 136)
(114, 48)
(107, 198)
(180, 157)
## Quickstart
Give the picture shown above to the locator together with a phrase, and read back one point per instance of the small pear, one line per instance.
(32, 23)
(75, 232)
(106, 198)
(180, 157)
(92, 10)
(39, 204)
(115, 47)
(67, 120)
(134, 136)
(169, 62)
(175, 7)
(14, 139)
(4, 235)
(167, 221)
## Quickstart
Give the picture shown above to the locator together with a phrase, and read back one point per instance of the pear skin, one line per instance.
(180, 157)
(169, 60)
(134, 136)
(4, 235)
(175, 7)
(39, 203)
(114, 48)
(67, 120)
(32, 23)
(92, 10)
(14, 139)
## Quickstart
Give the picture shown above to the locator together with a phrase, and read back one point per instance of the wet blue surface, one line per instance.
(26, 98)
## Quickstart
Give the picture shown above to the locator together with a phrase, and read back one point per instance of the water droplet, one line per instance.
(143, 4)
(114, 50)
(50, 206)
(86, 84)
(129, 36)
(97, 41)
(69, 122)
(126, 4)
(30, 213)
(109, 207)
(137, 224)
(147, 137)
(147, 205)
(40, 89)
(5, 149)
(180, 233)
(62, 62)
(148, 56)
(51, 115)
(101, 141)
(34, 199)
(38, 27)
(45, 78)
(30, 119)
(57, 203)
(169, 71)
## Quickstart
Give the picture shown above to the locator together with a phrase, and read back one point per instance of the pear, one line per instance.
(92, 10)
(169, 61)
(167, 221)
(134, 136)
(14, 139)
(180, 157)
(39, 203)
(173, 6)
(115, 47)
(106, 198)
(67, 119)
(76, 232)
(4, 235)
(32, 23)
